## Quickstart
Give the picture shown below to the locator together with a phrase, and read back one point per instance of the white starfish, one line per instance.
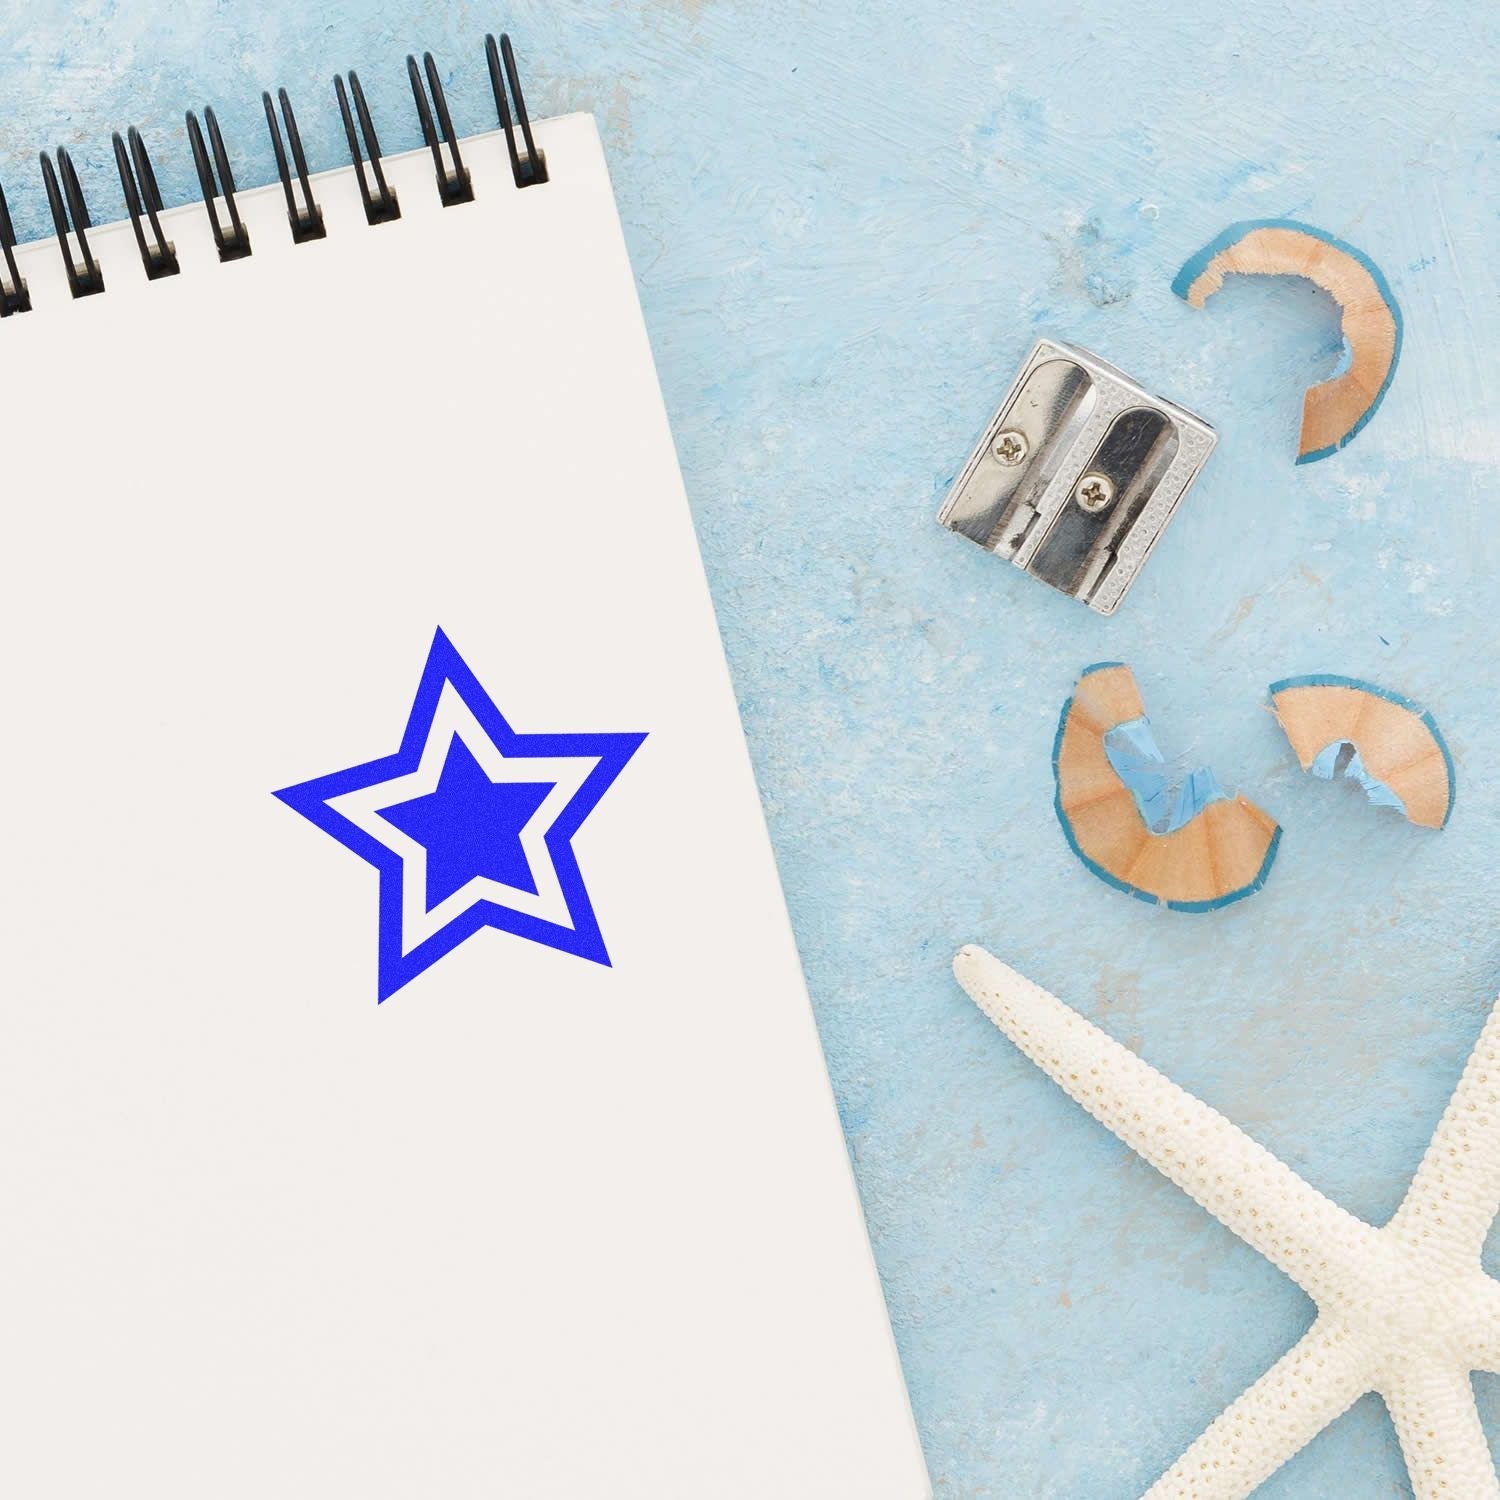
(1405, 1310)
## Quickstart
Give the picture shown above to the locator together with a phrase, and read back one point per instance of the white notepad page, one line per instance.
(534, 1225)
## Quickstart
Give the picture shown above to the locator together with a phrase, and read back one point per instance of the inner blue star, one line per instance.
(471, 826)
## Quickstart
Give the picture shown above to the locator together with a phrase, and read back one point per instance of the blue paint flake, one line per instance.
(1345, 754)
(1166, 803)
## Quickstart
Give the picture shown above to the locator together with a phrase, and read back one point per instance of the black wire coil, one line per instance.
(138, 181)
(69, 210)
(453, 181)
(143, 200)
(233, 239)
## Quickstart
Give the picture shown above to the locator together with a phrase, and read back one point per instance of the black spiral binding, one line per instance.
(306, 217)
(85, 280)
(454, 185)
(14, 297)
(143, 200)
(380, 202)
(530, 170)
(233, 241)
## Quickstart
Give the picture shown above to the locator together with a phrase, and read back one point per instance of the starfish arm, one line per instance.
(1238, 1181)
(1432, 1405)
(1318, 1379)
(1453, 1198)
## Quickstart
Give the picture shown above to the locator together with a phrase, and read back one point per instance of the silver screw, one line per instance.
(1094, 492)
(1010, 448)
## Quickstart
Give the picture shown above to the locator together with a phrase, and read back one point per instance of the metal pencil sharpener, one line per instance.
(1077, 475)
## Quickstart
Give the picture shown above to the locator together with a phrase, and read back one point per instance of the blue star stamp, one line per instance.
(470, 824)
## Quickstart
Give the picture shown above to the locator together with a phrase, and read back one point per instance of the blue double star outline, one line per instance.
(445, 666)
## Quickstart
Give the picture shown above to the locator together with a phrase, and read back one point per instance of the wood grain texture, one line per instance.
(849, 223)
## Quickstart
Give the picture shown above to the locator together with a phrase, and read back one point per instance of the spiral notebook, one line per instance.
(407, 1085)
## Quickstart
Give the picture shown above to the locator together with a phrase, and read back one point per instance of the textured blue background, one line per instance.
(848, 225)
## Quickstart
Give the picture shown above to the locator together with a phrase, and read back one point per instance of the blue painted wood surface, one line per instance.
(848, 224)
